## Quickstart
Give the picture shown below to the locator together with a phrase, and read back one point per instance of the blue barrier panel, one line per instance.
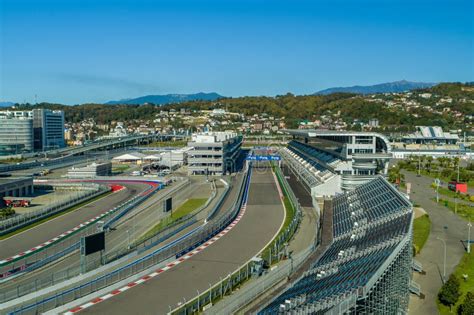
(263, 158)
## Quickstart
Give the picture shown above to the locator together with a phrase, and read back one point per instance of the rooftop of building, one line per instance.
(213, 137)
(431, 132)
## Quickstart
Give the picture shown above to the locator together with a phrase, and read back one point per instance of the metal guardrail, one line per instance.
(70, 272)
(238, 277)
(255, 288)
(183, 244)
(89, 191)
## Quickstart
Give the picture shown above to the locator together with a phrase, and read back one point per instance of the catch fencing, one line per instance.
(67, 247)
(85, 192)
(273, 254)
(185, 243)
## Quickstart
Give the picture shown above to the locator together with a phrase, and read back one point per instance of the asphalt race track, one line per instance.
(50, 229)
(262, 220)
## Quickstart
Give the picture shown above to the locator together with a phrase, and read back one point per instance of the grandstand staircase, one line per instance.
(417, 266)
(415, 288)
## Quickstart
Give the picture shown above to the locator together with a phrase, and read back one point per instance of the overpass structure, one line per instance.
(69, 156)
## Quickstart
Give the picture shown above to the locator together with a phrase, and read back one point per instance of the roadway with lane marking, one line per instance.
(261, 222)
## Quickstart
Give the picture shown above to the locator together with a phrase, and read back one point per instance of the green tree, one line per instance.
(449, 293)
(467, 307)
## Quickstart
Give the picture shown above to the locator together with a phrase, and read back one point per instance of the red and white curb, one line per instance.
(63, 235)
(80, 226)
(59, 237)
(160, 270)
(280, 192)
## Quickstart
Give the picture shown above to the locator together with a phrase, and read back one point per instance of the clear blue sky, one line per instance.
(76, 51)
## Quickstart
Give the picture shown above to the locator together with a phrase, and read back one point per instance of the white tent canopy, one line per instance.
(136, 156)
(152, 157)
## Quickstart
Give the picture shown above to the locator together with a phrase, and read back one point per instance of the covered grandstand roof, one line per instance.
(371, 227)
(431, 133)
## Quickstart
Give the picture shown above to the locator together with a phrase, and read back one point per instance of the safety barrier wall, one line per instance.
(70, 245)
(87, 191)
(186, 242)
(226, 286)
(240, 298)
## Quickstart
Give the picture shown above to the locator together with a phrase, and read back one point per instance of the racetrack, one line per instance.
(52, 228)
(261, 222)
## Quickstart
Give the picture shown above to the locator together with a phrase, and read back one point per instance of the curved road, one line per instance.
(50, 229)
(262, 220)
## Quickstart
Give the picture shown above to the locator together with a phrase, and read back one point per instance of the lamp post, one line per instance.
(469, 225)
(444, 263)
(437, 181)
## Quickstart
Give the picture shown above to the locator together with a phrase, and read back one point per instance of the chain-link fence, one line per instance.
(254, 288)
(176, 248)
(84, 193)
(272, 254)
(72, 244)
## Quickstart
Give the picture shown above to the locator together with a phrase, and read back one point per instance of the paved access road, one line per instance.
(52, 228)
(262, 220)
(445, 225)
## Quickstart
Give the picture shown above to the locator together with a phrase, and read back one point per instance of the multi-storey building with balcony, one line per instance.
(213, 153)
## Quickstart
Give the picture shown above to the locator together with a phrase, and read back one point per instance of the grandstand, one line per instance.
(354, 157)
(431, 135)
(367, 267)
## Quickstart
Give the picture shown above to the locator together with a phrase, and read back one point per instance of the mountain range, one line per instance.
(6, 104)
(167, 99)
(390, 87)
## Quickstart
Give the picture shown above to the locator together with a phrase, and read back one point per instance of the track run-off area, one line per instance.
(258, 222)
(54, 228)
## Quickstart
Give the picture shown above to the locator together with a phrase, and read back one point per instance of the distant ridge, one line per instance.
(168, 99)
(6, 104)
(391, 87)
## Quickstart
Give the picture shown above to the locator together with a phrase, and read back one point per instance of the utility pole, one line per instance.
(456, 191)
(419, 163)
(437, 181)
(469, 225)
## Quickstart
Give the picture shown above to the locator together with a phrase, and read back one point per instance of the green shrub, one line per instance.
(467, 307)
(449, 293)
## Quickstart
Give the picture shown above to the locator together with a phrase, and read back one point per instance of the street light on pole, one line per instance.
(444, 263)
(469, 225)
(437, 181)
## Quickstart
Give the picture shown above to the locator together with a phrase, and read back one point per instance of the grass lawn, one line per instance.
(464, 211)
(465, 267)
(120, 168)
(421, 231)
(187, 207)
(449, 193)
(167, 144)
